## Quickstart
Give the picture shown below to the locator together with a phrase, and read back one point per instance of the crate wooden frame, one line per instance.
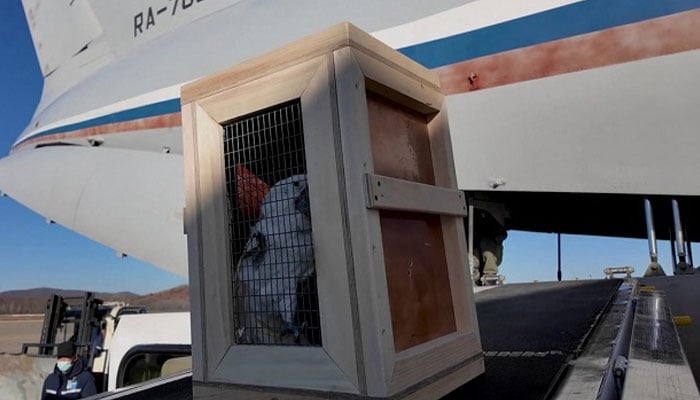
(330, 73)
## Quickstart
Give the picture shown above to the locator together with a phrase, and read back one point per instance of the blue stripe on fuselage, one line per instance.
(559, 23)
(149, 110)
(566, 21)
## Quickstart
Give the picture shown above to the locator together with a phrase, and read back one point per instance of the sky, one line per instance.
(32, 252)
(36, 254)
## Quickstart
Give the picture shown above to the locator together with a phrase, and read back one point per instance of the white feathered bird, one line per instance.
(277, 256)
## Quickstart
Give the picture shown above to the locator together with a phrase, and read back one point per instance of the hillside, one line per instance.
(33, 301)
(175, 299)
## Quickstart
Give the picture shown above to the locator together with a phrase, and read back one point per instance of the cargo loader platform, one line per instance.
(589, 339)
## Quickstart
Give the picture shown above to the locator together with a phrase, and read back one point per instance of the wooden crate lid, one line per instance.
(315, 45)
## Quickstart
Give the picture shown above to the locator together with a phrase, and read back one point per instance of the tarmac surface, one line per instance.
(18, 329)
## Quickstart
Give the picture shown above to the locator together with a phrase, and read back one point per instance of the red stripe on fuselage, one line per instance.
(652, 38)
(172, 120)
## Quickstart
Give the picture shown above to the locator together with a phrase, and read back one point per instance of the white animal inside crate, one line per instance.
(275, 299)
(277, 258)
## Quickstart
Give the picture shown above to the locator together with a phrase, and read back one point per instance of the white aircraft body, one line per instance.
(595, 98)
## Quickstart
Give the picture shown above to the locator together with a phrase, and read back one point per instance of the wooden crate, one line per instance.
(396, 308)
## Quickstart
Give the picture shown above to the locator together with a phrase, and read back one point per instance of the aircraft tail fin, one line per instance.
(60, 30)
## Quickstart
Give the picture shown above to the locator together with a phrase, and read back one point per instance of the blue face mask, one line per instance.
(64, 366)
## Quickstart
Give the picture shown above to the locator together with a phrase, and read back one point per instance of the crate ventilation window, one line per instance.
(275, 301)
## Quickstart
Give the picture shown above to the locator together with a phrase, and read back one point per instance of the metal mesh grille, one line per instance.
(274, 282)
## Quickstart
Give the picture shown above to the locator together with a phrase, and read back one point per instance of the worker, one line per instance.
(489, 235)
(70, 378)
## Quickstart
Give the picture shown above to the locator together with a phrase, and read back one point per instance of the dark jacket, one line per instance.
(487, 227)
(77, 383)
